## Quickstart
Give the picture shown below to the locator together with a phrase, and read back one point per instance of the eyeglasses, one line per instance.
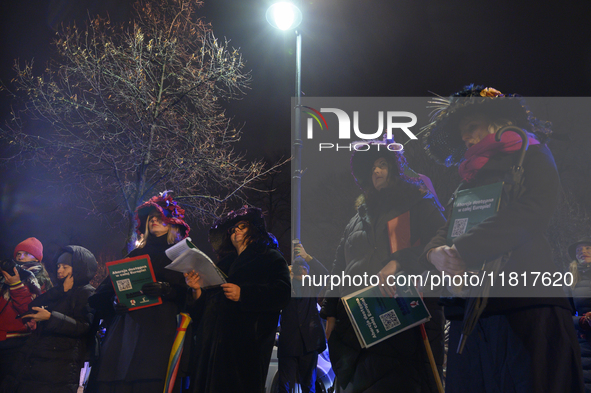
(241, 226)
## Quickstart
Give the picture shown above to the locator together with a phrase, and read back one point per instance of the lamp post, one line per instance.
(286, 16)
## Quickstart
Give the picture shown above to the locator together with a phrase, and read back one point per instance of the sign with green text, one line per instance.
(128, 276)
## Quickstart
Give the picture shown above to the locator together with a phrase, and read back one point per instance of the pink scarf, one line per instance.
(480, 153)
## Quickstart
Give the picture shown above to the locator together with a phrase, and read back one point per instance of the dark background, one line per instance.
(349, 48)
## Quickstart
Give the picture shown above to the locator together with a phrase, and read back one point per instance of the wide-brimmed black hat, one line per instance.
(441, 137)
(171, 212)
(254, 216)
(572, 249)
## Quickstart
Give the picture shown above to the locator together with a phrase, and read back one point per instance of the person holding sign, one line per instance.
(136, 349)
(396, 215)
(237, 331)
(51, 359)
(524, 340)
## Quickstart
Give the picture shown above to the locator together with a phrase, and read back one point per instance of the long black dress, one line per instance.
(137, 345)
(235, 339)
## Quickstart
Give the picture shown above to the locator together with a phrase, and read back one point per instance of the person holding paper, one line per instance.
(397, 214)
(237, 331)
(136, 349)
(51, 359)
(524, 340)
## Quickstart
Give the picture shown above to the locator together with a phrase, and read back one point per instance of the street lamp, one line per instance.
(286, 16)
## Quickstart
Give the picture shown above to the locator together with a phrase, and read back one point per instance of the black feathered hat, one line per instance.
(441, 137)
(254, 216)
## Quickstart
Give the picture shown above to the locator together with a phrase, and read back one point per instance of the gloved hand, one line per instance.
(156, 289)
(119, 308)
(585, 321)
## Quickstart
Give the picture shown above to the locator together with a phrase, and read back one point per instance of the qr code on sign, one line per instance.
(124, 285)
(459, 228)
(390, 320)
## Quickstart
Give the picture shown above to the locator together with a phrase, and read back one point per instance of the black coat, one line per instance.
(52, 357)
(582, 300)
(518, 227)
(235, 339)
(365, 249)
(301, 328)
(138, 343)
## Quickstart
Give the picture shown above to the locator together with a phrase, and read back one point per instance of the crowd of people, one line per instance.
(502, 340)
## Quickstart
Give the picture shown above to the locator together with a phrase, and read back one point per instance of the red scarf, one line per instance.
(480, 153)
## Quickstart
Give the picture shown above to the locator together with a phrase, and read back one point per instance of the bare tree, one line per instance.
(129, 110)
(273, 196)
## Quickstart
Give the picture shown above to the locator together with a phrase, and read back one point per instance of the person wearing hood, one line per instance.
(237, 331)
(135, 351)
(524, 340)
(397, 214)
(51, 359)
(29, 255)
(580, 268)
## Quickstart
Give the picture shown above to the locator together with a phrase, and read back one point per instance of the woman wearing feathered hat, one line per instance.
(524, 340)
(396, 216)
(237, 330)
(580, 267)
(136, 349)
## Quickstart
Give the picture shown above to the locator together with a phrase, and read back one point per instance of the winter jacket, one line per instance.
(15, 301)
(235, 339)
(366, 247)
(581, 295)
(301, 328)
(51, 359)
(138, 343)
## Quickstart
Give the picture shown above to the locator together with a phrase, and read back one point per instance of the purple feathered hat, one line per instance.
(171, 212)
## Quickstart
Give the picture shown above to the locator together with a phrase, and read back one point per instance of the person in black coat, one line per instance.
(301, 338)
(580, 268)
(396, 216)
(51, 359)
(135, 351)
(524, 340)
(237, 331)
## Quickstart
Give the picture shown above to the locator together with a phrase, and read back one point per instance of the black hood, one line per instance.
(84, 264)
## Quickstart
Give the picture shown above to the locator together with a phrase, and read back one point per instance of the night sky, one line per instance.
(351, 48)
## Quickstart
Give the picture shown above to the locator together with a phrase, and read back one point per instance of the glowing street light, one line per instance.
(286, 16)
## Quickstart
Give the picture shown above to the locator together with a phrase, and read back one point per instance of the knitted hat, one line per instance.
(32, 246)
(572, 249)
(253, 215)
(441, 137)
(171, 212)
